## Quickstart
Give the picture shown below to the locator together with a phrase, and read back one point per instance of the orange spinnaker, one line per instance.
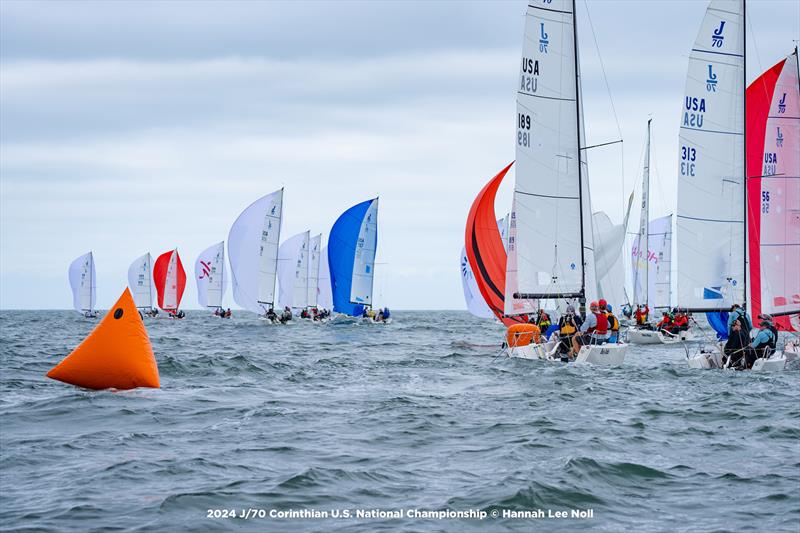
(522, 334)
(116, 355)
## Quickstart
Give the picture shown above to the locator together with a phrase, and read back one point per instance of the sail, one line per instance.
(710, 218)
(253, 252)
(773, 168)
(324, 294)
(351, 257)
(611, 283)
(472, 295)
(312, 288)
(659, 277)
(640, 268)
(140, 281)
(364, 262)
(293, 272)
(169, 277)
(485, 251)
(83, 284)
(546, 223)
(209, 271)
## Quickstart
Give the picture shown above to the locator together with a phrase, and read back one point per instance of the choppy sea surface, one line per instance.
(417, 415)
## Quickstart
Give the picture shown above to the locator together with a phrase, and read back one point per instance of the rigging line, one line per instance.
(618, 141)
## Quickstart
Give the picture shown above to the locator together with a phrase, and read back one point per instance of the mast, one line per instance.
(272, 303)
(644, 224)
(744, 151)
(372, 279)
(91, 279)
(582, 298)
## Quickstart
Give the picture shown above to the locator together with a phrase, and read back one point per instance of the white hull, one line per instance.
(547, 351)
(791, 351)
(709, 360)
(377, 322)
(648, 336)
(776, 363)
(603, 354)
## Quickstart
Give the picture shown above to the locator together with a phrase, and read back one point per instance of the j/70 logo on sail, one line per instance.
(782, 104)
(779, 138)
(711, 82)
(717, 37)
(543, 41)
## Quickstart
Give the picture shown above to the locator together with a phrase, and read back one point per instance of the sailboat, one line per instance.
(253, 253)
(82, 280)
(551, 241)
(140, 280)
(324, 294)
(312, 285)
(644, 258)
(713, 222)
(293, 272)
(476, 305)
(169, 277)
(351, 258)
(211, 277)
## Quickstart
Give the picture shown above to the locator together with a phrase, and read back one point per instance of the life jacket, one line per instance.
(602, 324)
(740, 316)
(681, 321)
(773, 343)
(566, 327)
(613, 323)
(544, 321)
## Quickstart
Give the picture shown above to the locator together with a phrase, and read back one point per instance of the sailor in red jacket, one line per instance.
(641, 314)
(681, 323)
(666, 322)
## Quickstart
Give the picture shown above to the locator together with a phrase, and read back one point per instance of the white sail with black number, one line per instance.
(545, 251)
(314, 257)
(83, 283)
(140, 280)
(711, 190)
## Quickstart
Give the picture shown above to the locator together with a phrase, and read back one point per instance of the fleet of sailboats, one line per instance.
(736, 233)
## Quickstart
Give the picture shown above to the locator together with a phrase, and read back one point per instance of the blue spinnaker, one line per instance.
(719, 321)
(342, 246)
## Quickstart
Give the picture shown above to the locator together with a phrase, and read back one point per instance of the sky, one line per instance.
(128, 127)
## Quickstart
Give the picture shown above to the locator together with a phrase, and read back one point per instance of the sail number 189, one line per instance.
(523, 130)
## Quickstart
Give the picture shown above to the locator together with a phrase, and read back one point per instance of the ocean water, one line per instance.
(416, 416)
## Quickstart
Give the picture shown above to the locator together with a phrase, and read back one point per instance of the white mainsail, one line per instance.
(312, 288)
(546, 251)
(780, 197)
(640, 266)
(253, 253)
(711, 191)
(293, 271)
(209, 271)
(364, 262)
(83, 284)
(324, 292)
(140, 280)
(660, 262)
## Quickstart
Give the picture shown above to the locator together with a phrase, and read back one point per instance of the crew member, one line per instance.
(593, 331)
(641, 314)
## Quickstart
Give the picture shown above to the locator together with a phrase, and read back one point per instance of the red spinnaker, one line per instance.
(169, 285)
(759, 101)
(485, 251)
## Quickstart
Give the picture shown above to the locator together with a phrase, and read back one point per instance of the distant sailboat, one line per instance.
(169, 278)
(351, 256)
(82, 280)
(253, 253)
(312, 287)
(211, 277)
(551, 252)
(324, 294)
(140, 280)
(293, 272)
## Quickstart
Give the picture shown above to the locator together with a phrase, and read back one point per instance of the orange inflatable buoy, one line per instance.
(522, 334)
(116, 355)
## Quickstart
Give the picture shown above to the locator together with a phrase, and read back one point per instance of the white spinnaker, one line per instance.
(324, 291)
(476, 305)
(289, 255)
(547, 193)
(780, 197)
(364, 262)
(253, 252)
(140, 280)
(210, 275)
(315, 248)
(171, 283)
(660, 263)
(641, 246)
(82, 281)
(710, 218)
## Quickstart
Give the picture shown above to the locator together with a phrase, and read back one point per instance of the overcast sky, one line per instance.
(128, 127)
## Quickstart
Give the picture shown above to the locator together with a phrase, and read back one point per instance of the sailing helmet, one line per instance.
(608, 308)
(602, 302)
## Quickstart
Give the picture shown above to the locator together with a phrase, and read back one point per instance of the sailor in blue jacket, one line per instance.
(737, 313)
(758, 348)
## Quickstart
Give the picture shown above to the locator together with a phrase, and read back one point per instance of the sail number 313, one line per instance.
(688, 158)
(523, 130)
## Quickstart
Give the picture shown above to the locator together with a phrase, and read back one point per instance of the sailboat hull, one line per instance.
(547, 351)
(646, 336)
(602, 354)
